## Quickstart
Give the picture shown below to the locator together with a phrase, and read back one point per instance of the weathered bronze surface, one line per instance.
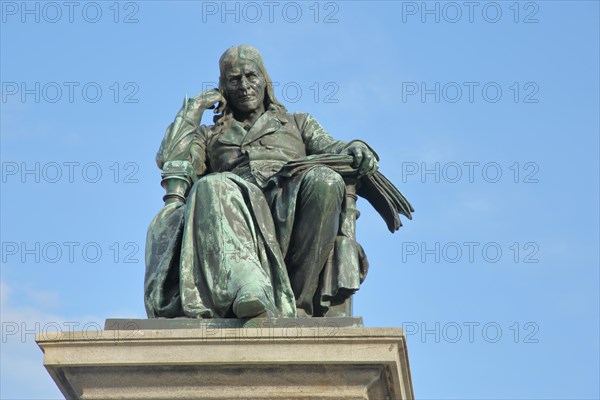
(215, 324)
(259, 215)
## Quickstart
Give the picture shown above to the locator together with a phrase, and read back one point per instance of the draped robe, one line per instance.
(240, 223)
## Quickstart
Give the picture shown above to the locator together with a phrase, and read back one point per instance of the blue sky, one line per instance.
(484, 115)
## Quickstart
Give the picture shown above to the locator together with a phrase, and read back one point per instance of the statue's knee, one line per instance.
(326, 180)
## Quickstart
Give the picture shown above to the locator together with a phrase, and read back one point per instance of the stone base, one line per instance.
(222, 323)
(260, 362)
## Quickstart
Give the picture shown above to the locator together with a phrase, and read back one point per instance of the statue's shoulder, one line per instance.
(299, 118)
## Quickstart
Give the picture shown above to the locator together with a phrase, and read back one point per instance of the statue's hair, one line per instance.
(230, 58)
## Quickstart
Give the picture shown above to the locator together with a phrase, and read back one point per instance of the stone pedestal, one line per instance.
(263, 359)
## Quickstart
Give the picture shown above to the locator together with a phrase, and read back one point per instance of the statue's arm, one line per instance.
(197, 153)
(318, 141)
(182, 154)
(185, 139)
(179, 135)
(315, 137)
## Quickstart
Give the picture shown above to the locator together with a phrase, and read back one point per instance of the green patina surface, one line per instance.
(259, 213)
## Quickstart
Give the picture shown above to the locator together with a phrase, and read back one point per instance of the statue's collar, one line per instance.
(270, 121)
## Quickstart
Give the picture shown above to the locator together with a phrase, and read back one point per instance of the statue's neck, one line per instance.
(248, 118)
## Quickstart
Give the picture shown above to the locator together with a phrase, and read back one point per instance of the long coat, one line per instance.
(185, 280)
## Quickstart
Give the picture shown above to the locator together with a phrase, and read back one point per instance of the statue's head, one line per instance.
(244, 81)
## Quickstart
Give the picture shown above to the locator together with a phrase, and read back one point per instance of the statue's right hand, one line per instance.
(207, 99)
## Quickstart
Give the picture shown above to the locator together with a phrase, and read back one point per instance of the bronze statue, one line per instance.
(259, 212)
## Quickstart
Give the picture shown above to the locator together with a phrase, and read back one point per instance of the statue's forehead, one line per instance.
(241, 66)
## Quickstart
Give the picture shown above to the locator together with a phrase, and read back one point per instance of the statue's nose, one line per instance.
(244, 84)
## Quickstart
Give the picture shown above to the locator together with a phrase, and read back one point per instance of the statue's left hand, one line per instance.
(364, 159)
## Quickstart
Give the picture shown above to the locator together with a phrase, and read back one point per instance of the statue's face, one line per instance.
(244, 86)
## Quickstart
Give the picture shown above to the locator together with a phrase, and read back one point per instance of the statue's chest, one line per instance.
(227, 150)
